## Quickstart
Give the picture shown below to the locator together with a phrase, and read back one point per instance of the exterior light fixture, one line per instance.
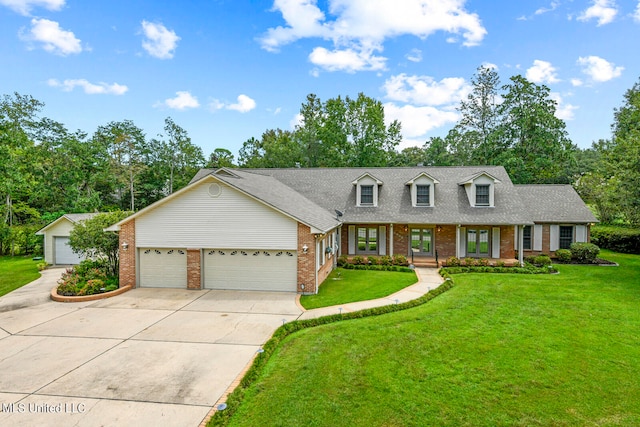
(125, 246)
(302, 286)
(305, 248)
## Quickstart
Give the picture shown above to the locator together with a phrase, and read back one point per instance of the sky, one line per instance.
(226, 71)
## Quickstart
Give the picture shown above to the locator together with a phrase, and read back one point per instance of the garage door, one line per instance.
(63, 252)
(163, 268)
(245, 269)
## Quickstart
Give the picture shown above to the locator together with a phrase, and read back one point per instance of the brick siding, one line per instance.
(194, 269)
(127, 235)
(306, 262)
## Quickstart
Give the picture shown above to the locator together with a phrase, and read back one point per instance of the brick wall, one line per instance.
(194, 269)
(306, 262)
(401, 239)
(445, 241)
(324, 271)
(127, 235)
(507, 241)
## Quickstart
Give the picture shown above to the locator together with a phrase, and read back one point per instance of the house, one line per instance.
(282, 229)
(56, 239)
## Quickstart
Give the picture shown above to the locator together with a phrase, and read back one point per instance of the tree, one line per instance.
(89, 239)
(183, 158)
(220, 158)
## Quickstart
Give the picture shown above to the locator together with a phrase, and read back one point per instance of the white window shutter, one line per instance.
(581, 233)
(382, 240)
(352, 239)
(554, 237)
(495, 244)
(537, 237)
(462, 243)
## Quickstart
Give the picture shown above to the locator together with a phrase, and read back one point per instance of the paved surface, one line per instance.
(147, 357)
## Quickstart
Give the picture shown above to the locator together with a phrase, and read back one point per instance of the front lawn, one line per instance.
(15, 272)
(343, 286)
(495, 350)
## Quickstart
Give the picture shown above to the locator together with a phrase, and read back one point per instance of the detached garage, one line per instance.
(56, 239)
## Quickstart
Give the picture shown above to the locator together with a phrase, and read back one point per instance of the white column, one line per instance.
(521, 245)
(391, 240)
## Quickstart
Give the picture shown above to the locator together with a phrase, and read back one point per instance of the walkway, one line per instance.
(428, 278)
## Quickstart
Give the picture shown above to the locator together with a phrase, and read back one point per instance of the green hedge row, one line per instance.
(221, 418)
(378, 267)
(529, 269)
(619, 239)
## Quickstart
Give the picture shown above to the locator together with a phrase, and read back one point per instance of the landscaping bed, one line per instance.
(87, 278)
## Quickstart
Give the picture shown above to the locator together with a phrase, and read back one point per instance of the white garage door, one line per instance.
(163, 268)
(63, 252)
(245, 269)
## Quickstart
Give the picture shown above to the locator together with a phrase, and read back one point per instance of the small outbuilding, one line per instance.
(56, 239)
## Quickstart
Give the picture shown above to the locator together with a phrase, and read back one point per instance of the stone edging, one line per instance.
(82, 298)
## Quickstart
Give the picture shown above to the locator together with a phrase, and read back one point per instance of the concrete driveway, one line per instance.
(147, 357)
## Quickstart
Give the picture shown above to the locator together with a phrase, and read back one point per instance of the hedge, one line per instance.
(615, 238)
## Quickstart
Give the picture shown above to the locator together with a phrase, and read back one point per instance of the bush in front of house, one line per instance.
(453, 261)
(584, 252)
(563, 255)
(87, 278)
(342, 260)
(542, 260)
(400, 260)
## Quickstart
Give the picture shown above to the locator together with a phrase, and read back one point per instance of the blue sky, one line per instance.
(228, 70)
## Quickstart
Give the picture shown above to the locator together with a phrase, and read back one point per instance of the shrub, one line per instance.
(343, 260)
(371, 260)
(400, 260)
(500, 264)
(358, 260)
(542, 260)
(584, 252)
(94, 286)
(41, 266)
(483, 262)
(385, 260)
(470, 262)
(531, 259)
(619, 239)
(453, 262)
(563, 255)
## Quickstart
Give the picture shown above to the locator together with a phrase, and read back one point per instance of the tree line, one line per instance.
(47, 170)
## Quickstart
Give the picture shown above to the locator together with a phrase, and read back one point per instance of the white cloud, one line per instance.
(576, 82)
(417, 121)
(182, 101)
(53, 38)
(542, 72)
(244, 104)
(636, 15)
(564, 111)
(603, 10)
(424, 90)
(361, 26)
(554, 5)
(160, 42)
(415, 55)
(88, 87)
(599, 69)
(24, 7)
(348, 60)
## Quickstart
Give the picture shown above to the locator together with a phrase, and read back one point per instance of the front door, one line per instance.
(422, 241)
(478, 242)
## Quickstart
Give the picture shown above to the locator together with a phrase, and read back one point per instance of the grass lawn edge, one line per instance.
(222, 417)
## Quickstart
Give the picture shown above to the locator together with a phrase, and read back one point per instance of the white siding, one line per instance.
(195, 219)
(367, 181)
(581, 233)
(537, 237)
(495, 244)
(554, 237)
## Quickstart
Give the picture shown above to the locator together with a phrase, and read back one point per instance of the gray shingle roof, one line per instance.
(554, 203)
(313, 195)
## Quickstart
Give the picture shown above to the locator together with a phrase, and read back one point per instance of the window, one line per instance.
(422, 195)
(482, 195)
(368, 239)
(478, 242)
(422, 241)
(526, 237)
(566, 236)
(366, 195)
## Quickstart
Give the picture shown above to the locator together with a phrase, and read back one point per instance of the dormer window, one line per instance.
(422, 195)
(422, 189)
(482, 195)
(367, 190)
(480, 189)
(366, 195)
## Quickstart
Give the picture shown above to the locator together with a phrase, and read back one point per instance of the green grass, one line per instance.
(16, 272)
(357, 285)
(496, 350)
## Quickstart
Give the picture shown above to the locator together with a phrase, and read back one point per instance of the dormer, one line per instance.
(480, 189)
(423, 190)
(367, 190)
